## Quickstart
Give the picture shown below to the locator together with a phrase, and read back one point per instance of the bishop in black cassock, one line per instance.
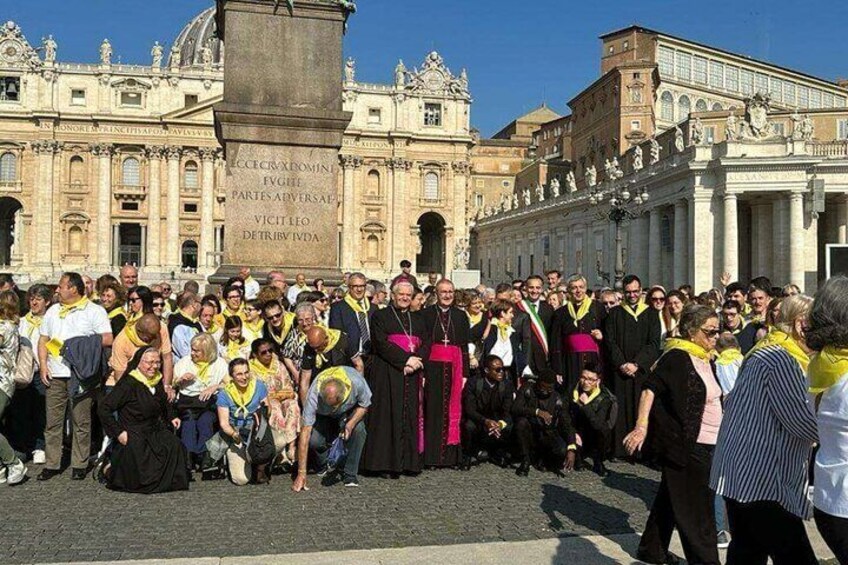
(573, 344)
(395, 419)
(446, 369)
(632, 338)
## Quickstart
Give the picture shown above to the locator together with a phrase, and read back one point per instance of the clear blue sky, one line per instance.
(518, 54)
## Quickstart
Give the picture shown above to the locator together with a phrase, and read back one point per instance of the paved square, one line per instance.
(63, 521)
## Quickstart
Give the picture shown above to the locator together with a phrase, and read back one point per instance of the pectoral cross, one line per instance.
(445, 340)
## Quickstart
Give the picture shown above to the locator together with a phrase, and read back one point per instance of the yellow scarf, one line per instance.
(333, 337)
(473, 319)
(336, 373)
(115, 312)
(640, 307)
(132, 335)
(254, 327)
(777, 338)
(729, 356)
(218, 321)
(34, 324)
(241, 399)
(203, 371)
(689, 347)
(149, 383)
(592, 396)
(263, 373)
(351, 301)
(234, 349)
(65, 309)
(227, 313)
(288, 320)
(503, 328)
(827, 367)
(213, 327)
(584, 309)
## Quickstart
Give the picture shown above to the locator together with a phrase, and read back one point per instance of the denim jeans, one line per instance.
(720, 519)
(194, 433)
(325, 430)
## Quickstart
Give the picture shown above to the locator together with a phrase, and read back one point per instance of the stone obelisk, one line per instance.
(281, 124)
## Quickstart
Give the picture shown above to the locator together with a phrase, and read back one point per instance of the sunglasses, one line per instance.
(497, 370)
(264, 352)
(710, 333)
(657, 299)
(158, 304)
(275, 316)
(234, 296)
(134, 298)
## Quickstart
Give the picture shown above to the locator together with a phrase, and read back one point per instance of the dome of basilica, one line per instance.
(197, 34)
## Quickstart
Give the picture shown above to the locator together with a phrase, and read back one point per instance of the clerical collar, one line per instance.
(443, 309)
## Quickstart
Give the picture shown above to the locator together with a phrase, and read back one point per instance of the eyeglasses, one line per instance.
(158, 304)
(134, 298)
(357, 286)
(274, 316)
(497, 369)
(264, 352)
(322, 300)
(233, 296)
(658, 299)
(710, 333)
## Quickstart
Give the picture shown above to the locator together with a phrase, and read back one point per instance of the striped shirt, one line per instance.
(767, 434)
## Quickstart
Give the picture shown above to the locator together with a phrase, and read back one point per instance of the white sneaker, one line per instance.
(16, 473)
(39, 457)
(2, 475)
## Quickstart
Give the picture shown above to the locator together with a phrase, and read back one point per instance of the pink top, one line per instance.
(711, 418)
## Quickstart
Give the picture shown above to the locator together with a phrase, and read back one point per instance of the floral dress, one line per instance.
(285, 412)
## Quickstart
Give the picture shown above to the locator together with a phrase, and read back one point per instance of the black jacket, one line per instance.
(481, 402)
(675, 419)
(600, 414)
(527, 402)
(342, 317)
(177, 319)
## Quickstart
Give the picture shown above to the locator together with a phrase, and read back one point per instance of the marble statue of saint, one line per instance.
(350, 70)
(570, 182)
(176, 57)
(617, 173)
(655, 150)
(608, 170)
(540, 192)
(400, 74)
(696, 133)
(555, 188)
(526, 195)
(808, 129)
(515, 200)
(730, 128)
(591, 175)
(49, 49)
(678, 140)
(637, 158)
(156, 54)
(106, 52)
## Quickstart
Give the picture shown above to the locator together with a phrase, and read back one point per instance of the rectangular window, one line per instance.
(432, 114)
(190, 100)
(625, 46)
(611, 49)
(815, 98)
(129, 206)
(789, 93)
(478, 200)
(803, 96)
(666, 61)
(842, 129)
(776, 89)
(762, 83)
(699, 70)
(77, 97)
(827, 100)
(190, 177)
(190, 208)
(10, 89)
(505, 184)
(731, 79)
(374, 116)
(132, 99)
(778, 128)
(747, 81)
(709, 134)
(480, 183)
(519, 266)
(684, 66)
(716, 74)
(531, 263)
(635, 125)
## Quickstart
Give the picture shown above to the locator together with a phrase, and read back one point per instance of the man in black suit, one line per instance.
(487, 414)
(540, 316)
(353, 317)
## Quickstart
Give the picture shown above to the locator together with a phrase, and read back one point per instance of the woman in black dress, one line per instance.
(148, 457)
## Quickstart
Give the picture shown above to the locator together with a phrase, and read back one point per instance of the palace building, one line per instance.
(104, 164)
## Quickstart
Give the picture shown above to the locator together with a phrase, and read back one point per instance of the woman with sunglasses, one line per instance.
(253, 322)
(140, 300)
(681, 405)
(285, 412)
(321, 304)
(764, 446)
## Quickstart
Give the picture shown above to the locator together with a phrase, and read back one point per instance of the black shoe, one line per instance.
(482, 456)
(47, 474)
(499, 459)
(669, 559)
(78, 474)
(523, 469)
(600, 469)
(465, 465)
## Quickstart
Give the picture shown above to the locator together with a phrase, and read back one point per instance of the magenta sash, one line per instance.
(402, 341)
(581, 343)
(452, 355)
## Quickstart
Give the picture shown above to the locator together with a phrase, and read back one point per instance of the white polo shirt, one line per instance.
(79, 323)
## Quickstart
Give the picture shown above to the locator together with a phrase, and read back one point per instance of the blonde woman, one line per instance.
(198, 377)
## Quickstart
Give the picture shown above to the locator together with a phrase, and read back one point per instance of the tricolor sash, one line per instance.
(536, 324)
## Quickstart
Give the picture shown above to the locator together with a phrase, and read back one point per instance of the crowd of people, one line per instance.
(726, 392)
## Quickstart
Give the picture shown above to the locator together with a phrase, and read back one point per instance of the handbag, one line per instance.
(260, 443)
(338, 452)
(24, 367)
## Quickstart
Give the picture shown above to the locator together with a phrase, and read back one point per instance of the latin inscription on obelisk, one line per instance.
(282, 205)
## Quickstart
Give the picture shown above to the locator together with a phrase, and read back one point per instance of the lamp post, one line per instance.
(614, 201)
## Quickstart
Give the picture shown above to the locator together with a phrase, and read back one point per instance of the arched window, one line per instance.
(189, 254)
(75, 240)
(190, 175)
(431, 186)
(130, 172)
(717, 107)
(76, 171)
(701, 105)
(667, 106)
(372, 183)
(8, 167)
(372, 245)
(684, 106)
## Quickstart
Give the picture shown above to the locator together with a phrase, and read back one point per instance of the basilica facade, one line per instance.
(104, 164)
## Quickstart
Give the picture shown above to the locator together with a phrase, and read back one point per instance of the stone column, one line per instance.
(636, 248)
(701, 247)
(46, 151)
(763, 232)
(654, 249)
(397, 203)
(207, 207)
(796, 241)
(776, 248)
(731, 236)
(350, 163)
(681, 248)
(842, 220)
(103, 256)
(116, 244)
(172, 245)
(459, 195)
(154, 207)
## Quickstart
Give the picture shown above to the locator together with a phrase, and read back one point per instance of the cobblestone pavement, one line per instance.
(82, 521)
